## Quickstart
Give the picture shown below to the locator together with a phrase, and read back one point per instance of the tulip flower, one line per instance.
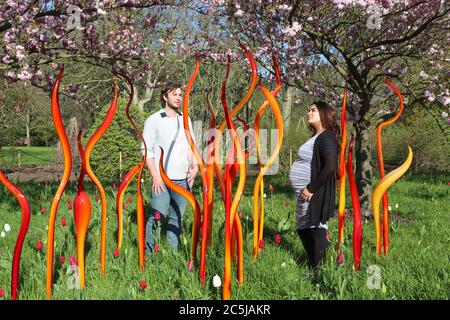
(340, 258)
(63, 221)
(96, 198)
(277, 238)
(43, 210)
(69, 204)
(62, 259)
(190, 265)
(116, 252)
(286, 203)
(73, 261)
(143, 284)
(156, 248)
(157, 216)
(261, 244)
(39, 245)
(217, 282)
(2, 293)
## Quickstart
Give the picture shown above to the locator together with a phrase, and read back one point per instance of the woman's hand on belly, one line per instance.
(305, 195)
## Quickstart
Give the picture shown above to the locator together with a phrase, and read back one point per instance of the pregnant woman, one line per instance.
(312, 176)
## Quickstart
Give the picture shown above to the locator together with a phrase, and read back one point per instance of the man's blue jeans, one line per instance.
(171, 207)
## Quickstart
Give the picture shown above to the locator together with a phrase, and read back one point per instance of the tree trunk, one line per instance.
(28, 129)
(363, 165)
(287, 108)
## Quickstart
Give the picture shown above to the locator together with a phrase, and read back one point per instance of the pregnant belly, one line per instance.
(299, 176)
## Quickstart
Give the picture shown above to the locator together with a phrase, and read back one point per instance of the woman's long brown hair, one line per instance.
(329, 120)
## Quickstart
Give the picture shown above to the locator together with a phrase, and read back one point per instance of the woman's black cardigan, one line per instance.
(323, 177)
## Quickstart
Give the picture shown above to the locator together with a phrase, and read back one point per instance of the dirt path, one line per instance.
(37, 173)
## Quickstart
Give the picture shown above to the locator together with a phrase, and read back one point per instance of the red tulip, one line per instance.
(190, 265)
(116, 252)
(157, 216)
(277, 238)
(43, 210)
(156, 248)
(286, 203)
(448, 183)
(69, 204)
(96, 198)
(261, 244)
(39, 245)
(340, 258)
(271, 187)
(328, 236)
(63, 221)
(2, 293)
(129, 200)
(143, 284)
(73, 261)
(62, 259)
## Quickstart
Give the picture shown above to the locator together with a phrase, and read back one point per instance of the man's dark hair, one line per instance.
(169, 87)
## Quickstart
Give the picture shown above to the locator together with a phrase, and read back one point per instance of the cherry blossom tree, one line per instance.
(36, 36)
(363, 42)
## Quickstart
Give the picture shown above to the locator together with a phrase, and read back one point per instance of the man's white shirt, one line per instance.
(167, 132)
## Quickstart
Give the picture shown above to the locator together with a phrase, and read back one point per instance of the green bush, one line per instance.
(420, 132)
(120, 137)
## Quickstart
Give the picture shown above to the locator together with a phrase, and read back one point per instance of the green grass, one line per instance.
(28, 155)
(417, 267)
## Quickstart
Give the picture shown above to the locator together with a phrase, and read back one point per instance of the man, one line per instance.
(165, 129)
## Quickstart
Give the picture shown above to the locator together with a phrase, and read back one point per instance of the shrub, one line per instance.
(120, 137)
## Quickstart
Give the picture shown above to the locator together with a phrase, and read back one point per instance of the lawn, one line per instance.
(417, 267)
(28, 155)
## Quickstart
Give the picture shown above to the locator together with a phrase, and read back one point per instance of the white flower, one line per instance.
(444, 100)
(423, 74)
(239, 13)
(3, 234)
(444, 114)
(101, 11)
(7, 228)
(216, 281)
(265, 195)
(389, 208)
(283, 265)
(396, 206)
